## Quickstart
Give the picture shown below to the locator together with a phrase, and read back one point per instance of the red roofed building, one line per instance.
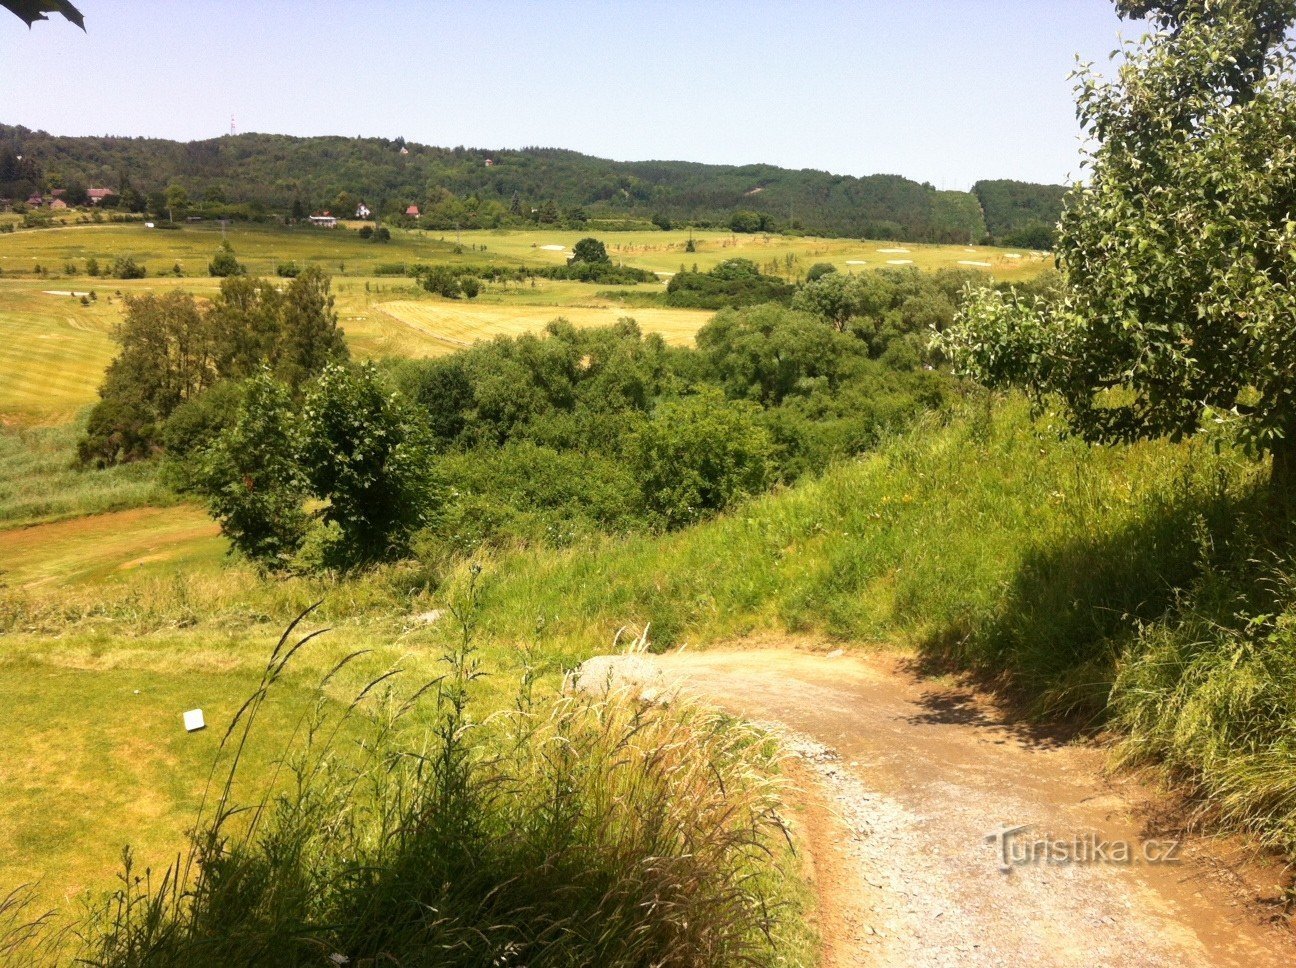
(412, 211)
(97, 195)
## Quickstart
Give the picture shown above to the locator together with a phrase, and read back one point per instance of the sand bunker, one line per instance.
(979, 265)
(899, 262)
(554, 248)
(894, 251)
(856, 262)
(63, 292)
(1012, 255)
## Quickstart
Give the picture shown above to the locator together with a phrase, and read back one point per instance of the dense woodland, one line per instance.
(259, 175)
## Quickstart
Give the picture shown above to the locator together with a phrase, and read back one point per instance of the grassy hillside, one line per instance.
(271, 172)
(1142, 586)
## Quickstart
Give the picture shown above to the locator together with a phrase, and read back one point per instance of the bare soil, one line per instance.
(902, 779)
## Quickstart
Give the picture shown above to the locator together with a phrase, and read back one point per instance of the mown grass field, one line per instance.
(448, 324)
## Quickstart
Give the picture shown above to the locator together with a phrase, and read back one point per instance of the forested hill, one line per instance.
(480, 188)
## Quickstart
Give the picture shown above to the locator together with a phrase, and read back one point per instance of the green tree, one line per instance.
(309, 338)
(590, 252)
(224, 263)
(745, 221)
(167, 355)
(252, 479)
(177, 198)
(365, 454)
(1178, 297)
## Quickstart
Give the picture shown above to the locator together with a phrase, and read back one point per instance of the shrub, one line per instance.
(699, 455)
(288, 270)
(735, 282)
(125, 267)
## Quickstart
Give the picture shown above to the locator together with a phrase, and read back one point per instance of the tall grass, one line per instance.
(39, 482)
(566, 831)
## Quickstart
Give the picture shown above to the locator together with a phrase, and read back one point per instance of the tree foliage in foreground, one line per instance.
(1178, 259)
(30, 11)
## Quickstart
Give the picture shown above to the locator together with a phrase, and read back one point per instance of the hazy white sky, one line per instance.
(947, 91)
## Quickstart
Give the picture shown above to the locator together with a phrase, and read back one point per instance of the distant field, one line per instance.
(455, 325)
(53, 350)
(666, 251)
(103, 547)
(343, 252)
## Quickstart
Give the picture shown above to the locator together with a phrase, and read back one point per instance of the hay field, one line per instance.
(448, 326)
(666, 251)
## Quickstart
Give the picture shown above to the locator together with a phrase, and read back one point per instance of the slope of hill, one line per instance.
(481, 188)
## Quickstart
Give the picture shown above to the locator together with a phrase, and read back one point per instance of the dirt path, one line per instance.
(914, 774)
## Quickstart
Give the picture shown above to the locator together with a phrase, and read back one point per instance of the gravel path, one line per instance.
(914, 775)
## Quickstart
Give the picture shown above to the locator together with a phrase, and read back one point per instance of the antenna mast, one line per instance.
(233, 126)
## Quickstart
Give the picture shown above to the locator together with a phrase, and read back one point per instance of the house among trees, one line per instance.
(97, 195)
(362, 211)
(325, 221)
(58, 204)
(35, 201)
(412, 211)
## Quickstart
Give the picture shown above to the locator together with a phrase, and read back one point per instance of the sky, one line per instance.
(945, 91)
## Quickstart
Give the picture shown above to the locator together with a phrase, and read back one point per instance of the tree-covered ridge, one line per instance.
(1019, 213)
(483, 188)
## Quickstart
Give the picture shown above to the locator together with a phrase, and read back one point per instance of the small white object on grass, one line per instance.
(193, 720)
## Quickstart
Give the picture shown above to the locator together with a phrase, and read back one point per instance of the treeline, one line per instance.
(255, 175)
(1019, 213)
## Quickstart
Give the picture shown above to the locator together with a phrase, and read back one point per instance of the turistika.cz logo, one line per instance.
(1018, 847)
